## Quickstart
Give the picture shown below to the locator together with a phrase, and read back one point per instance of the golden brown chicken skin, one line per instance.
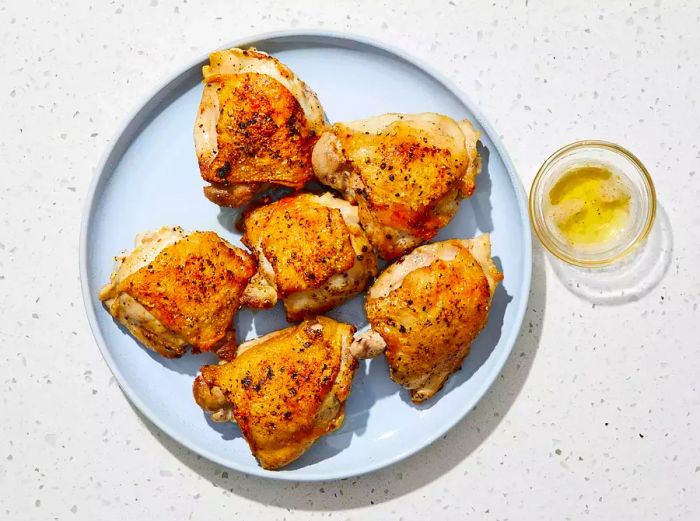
(426, 309)
(406, 172)
(284, 390)
(256, 126)
(312, 254)
(176, 290)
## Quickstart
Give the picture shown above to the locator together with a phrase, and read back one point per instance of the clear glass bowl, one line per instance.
(642, 203)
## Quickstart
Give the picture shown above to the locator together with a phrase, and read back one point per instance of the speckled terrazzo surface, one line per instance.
(596, 413)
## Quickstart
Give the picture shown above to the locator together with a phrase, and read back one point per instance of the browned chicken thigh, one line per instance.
(177, 289)
(406, 172)
(256, 126)
(312, 254)
(426, 309)
(284, 390)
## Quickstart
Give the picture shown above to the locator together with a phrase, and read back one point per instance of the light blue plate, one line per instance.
(149, 178)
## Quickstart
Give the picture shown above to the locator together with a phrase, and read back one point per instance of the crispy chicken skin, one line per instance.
(285, 390)
(256, 126)
(312, 254)
(406, 172)
(177, 289)
(426, 309)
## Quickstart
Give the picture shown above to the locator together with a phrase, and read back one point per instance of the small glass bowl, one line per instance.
(637, 180)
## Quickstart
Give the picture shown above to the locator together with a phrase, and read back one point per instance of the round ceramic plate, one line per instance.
(149, 178)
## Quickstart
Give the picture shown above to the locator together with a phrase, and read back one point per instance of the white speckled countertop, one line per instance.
(596, 414)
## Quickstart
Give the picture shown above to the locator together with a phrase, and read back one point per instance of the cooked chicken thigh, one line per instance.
(426, 309)
(312, 254)
(406, 172)
(285, 390)
(256, 126)
(177, 289)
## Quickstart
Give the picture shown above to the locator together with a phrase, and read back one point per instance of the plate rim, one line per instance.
(150, 98)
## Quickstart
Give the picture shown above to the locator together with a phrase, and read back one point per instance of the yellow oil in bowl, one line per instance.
(589, 205)
(592, 203)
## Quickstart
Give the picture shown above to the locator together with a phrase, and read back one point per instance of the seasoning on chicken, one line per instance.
(406, 172)
(426, 309)
(177, 289)
(256, 126)
(312, 254)
(285, 390)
